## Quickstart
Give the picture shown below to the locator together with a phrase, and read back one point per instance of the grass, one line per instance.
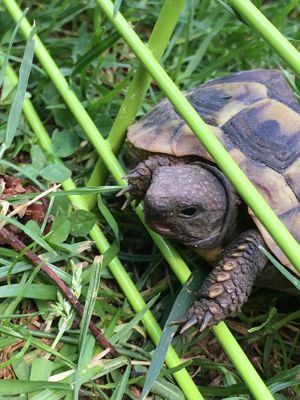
(195, 54)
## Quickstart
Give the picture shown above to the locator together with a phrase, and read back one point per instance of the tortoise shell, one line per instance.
(257, 118)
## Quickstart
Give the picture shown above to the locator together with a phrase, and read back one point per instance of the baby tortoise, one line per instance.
(187, 198)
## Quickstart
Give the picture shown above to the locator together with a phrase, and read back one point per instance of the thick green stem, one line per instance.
(248, 373)
(137, 90)
(269, 32)
(236, 176)
(184, 380)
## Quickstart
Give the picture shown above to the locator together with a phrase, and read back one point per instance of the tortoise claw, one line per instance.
(190, 319)
(132, 175)
(127, 202)
(126, 189)
(207, 319)
(191, 322)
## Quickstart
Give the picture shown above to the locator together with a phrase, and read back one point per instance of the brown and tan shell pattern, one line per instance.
(257, 118)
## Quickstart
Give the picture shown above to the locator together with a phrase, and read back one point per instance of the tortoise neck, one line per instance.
(231, 221)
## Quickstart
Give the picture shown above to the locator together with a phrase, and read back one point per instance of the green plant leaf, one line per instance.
(55, 173)
(60, 229)
(65, 142)
(81, 222)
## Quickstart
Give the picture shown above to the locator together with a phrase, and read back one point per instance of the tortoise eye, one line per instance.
(189, 212)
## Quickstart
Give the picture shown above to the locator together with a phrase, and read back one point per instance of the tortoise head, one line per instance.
(190, 204)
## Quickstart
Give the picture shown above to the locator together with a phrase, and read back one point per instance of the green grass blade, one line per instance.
(24, 335)
(120, 389)
(292, 278)
(117, 7)
(94, 52)
(21, 171)
(114, 249)
(11, 42)
(198, 56)
(91, 297)
(13, 305)
(269, 32)
(186, 297)
(33, 291)
(16, 108)
(29, 232)
(130, 325)
(17, 356)
(14, 387)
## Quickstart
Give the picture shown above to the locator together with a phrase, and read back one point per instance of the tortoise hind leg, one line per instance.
(229, 284)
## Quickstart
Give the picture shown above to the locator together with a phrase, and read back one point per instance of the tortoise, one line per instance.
(188, 199)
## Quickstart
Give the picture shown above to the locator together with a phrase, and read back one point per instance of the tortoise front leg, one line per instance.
(139, 179)
(229, 284)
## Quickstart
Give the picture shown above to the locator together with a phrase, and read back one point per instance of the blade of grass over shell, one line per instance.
(269, 32)
(185, 382)
(137, 90)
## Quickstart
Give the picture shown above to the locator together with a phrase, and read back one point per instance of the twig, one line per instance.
(12, 240)
(21, 207)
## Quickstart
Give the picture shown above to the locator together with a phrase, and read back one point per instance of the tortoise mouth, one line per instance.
(160, 228)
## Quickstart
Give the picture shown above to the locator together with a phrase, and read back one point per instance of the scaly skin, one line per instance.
(229, 284)
(171, 192)
(139, 179)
